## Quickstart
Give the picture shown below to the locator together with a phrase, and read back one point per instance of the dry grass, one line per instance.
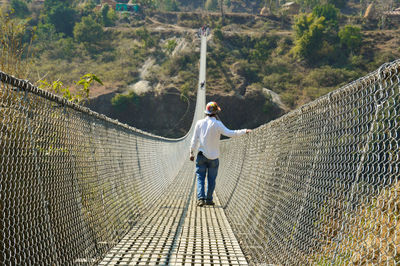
(12, 47)
(369, 236)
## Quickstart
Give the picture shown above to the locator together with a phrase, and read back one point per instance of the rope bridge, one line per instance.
(319, 185)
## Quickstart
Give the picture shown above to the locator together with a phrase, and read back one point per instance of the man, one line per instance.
(207, 133)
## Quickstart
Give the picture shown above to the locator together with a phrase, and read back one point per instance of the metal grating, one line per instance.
(177, 232)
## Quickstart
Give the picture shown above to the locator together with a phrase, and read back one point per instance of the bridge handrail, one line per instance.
(320, 185)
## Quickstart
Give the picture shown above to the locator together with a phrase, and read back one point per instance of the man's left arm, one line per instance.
(231, 133)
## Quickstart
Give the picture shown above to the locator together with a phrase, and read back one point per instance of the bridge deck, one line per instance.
(177, 232)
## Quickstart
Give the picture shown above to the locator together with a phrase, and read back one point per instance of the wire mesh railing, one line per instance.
(73, 182)
(320, 185)
(317, 186)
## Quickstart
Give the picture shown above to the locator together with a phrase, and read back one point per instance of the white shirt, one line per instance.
(207, 133)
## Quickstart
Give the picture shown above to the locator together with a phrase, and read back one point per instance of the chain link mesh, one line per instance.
(317, 186)
(73, 182)
(321, 184)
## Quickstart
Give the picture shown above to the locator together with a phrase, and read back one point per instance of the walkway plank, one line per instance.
(177, 232)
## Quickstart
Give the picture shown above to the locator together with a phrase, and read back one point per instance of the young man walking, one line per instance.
(207, 134)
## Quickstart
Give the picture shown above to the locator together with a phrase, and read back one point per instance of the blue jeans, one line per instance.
(204, 165)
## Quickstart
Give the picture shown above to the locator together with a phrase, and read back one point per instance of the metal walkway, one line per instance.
(177, 232)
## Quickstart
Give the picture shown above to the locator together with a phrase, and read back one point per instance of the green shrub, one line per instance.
(328, 11)
(121, 101)
(108, 16)
(289, 98)
(211, 5)
(357, 61)
(316, 34)
(169, 5)
(249, 71)
(185, 90)
(45, 37)
(176, 63)
(283, 46)
(268, 104)
(328, 76)
(61, 15)
(277, 82)
(262, 48)
(20, 8)
(308, 41)
(145, 36)
(350, 38)
(108, 56)
(63, 48)
(312, 93)
(170, 46)
(338, 3)
(88, 31)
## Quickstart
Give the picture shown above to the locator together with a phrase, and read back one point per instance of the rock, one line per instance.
(140, 87)
(144, 70)
(275, 98)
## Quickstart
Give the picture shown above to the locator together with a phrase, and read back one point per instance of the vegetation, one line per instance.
(13, 47)
(82, 95)
(88, 31)
(122, 101)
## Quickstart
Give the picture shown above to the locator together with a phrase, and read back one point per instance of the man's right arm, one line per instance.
(194, 142)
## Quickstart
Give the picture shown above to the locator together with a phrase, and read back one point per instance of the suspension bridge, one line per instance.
(318, 186)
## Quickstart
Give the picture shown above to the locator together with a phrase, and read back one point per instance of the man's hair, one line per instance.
(211, 115)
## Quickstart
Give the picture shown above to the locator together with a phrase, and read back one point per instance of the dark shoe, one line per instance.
(210, 202)
(201, 202)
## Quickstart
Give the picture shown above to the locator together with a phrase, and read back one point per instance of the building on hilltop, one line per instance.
(393, 15)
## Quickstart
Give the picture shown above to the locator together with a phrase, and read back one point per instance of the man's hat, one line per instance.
(212, 108)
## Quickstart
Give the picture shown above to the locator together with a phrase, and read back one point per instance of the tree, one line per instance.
(271, 5)
(328, 11)
(338, 3)
(20, 8)
(108, 16)
(146, 37)
(46, 36)
(78, 97)
(170, 46)
(302, 24)
(104, 13)
(149, 4)
(211, 5)
(171, 5)
(88, 31)
(308, 4)
(317, 34)
(221, 7)
(308, 44)
(350, 38)
(61, 15)
(263, 48)
(13, 48)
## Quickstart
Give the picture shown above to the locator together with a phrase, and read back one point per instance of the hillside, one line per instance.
(148, 62)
